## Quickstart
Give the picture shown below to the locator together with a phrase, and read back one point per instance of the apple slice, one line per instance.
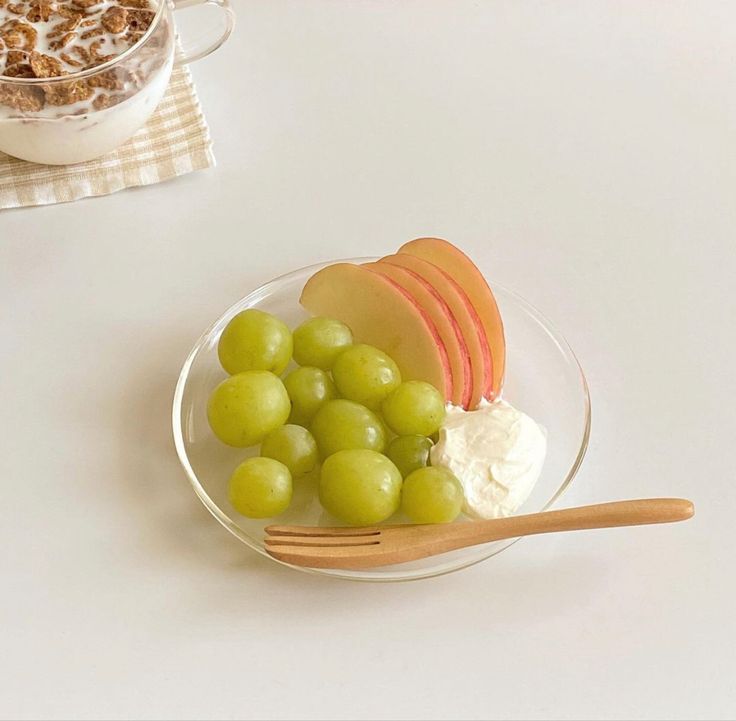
(438, 310)
(452, 260)
(380, 312)
(463, 310)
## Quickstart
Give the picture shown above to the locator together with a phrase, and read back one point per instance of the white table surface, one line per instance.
(586, 153)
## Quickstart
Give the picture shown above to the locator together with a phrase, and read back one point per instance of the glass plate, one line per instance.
(543, 378)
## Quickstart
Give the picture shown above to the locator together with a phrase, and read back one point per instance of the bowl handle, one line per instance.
(203, 46)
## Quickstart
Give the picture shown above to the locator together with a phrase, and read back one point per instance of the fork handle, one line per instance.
(602, 515)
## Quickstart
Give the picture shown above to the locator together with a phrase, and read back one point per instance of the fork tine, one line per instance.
(322, 541)
(319, 531)
(356, 557)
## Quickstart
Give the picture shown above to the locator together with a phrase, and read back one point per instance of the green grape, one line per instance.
(254, 340)
(260, 488)
(432, 495)
(308, 388)
(365, 375)
(409, 453)
(246, 407)
(341, 425)
(360, 487)
(415, 407)
(293, 446)
(318, 342)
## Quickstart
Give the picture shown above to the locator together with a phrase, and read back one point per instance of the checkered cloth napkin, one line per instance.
(175, 141)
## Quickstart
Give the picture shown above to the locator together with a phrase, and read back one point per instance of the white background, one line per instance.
(585, 154)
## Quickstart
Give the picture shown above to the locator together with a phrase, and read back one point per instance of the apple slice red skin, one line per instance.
(475, 336)
(458, 265)
(426, 295)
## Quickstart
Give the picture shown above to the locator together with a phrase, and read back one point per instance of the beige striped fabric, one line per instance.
(175, 141)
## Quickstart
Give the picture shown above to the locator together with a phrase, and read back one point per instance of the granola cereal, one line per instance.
(68, 93)
(22, 98)
(115, 19)
(33, 24)
(54, 38)
(66, 61)
(44, 66)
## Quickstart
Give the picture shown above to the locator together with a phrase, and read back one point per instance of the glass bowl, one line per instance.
(61, 119)
(543, 378)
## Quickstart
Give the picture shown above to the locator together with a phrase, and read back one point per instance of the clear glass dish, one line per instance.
(543, 378)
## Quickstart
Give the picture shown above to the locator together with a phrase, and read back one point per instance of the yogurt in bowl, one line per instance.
(80, 77)
(496, 452)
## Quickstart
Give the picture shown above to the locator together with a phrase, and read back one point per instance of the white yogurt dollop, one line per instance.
(496, 452)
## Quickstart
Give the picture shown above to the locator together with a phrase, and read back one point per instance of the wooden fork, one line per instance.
(371, 546)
